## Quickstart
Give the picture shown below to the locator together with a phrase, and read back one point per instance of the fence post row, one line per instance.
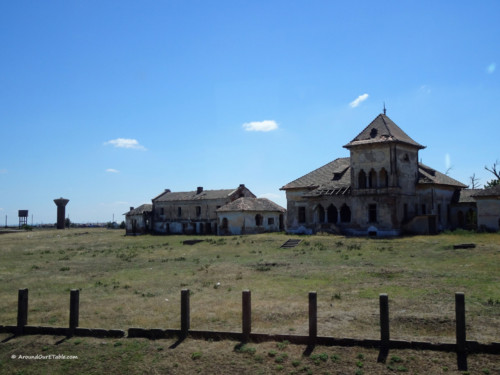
(460, 330)
(22, 310)
(74, 308)
(184, 312)
(313, 317)
(246, 314)
(384, 328)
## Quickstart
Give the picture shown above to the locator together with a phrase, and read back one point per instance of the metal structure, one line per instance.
(61, 211)
(23, 218)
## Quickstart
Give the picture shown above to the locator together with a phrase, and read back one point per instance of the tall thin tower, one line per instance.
(61, 211)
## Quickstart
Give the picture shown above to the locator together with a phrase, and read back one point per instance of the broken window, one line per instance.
(162, 211)
(258, 220)
(321, 214)
(345, 214)
(372, 179)
(198, 210)
(383, 178)
(270, 221)
(424, 210)
(179, 211)
(302, 214)
(332, 214)
(362, 180)
(372, 213)
(461, 219)
(224, 223)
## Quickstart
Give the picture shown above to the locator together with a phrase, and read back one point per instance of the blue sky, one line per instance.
(107, 103)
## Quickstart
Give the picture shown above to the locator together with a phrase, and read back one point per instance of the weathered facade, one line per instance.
(138, 220)
(192, 212)
(488, 208)
(250, 216)
(381, 189)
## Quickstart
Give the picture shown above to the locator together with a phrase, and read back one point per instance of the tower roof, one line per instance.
(382, 130)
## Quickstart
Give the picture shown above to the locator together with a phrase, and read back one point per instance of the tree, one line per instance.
(474, 181)
(495, 170)
(67, 222)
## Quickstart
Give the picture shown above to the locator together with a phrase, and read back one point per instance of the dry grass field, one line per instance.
(129, 282)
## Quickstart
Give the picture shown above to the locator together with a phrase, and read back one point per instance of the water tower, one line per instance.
(23, 218)
(61, 211)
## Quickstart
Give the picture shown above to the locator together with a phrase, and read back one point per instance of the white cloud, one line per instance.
(491, 68)
(125, 143)
(358, 100)
(111, 170)
(260, 126)
(447, 161)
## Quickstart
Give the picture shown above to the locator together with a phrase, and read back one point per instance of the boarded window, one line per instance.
(302, 215)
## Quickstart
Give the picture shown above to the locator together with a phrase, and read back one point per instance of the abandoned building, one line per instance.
(138, 220)
(381, 189)
(488, 208)
(250, 216)
(225, 211)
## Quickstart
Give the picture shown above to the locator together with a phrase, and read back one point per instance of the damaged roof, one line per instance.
(428, 175)
(382, 130)
(334, 174)
(140, 210)
(489, 192)
(168, 196)
(334, 178)
(251, 204)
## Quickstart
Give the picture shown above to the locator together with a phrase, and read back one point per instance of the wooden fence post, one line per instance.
(22, 310)
(184, 312)
(74, 308)
(313, 318)
(461, 337)
(384, 328)
(246, 315)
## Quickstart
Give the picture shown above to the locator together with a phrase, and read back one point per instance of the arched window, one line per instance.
(383, 178)
(362, 180)
(345, 214)
(321, 214)
(332, 214)
(258, 220)
(372, 179)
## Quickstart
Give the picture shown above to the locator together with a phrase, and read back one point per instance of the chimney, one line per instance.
(167, 190)
(242, 186)
(199, 189)
(131, 208)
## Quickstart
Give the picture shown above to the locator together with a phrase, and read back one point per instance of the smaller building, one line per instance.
(249, 216)
(488, 208)
(138, 220)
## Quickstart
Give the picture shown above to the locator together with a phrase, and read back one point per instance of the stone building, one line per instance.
(381, 189)
(138, 220)
(488, 208)
(249, 216)
(192, 212)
